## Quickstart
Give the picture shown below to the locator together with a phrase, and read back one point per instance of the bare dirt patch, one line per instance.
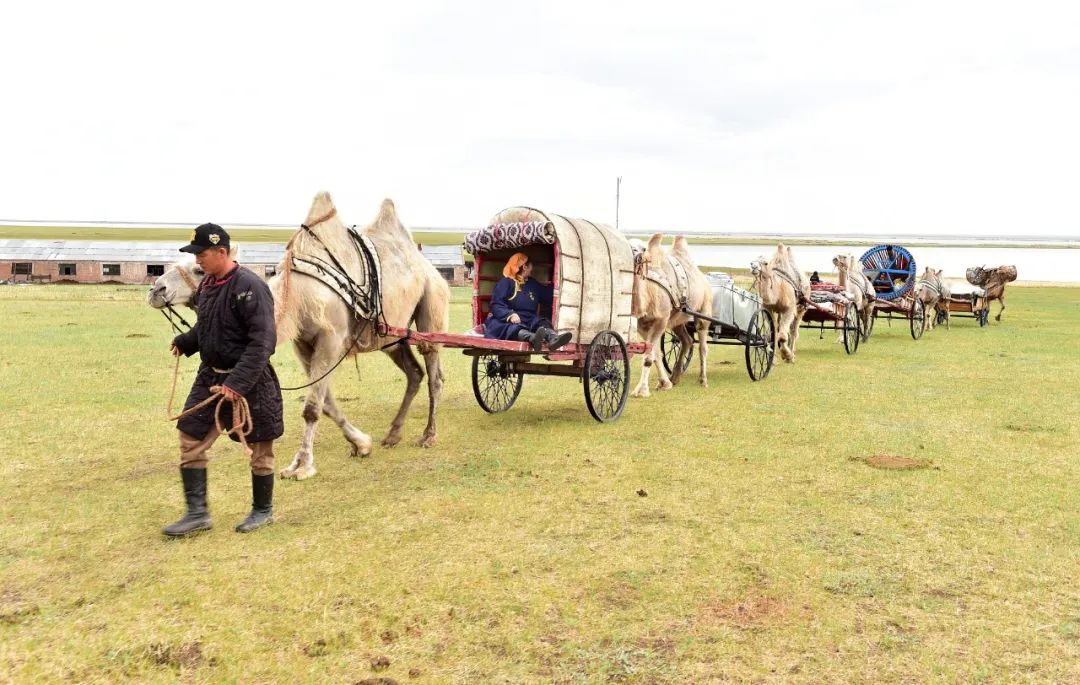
(751, 612)
(136, 335)
(894, 462)
(187, 655)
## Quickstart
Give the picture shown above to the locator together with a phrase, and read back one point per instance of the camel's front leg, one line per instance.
(783, 335)
(647, 360)
(435, 382)
(406, 361)
(360, 441)
(642, 388)
(315, 359)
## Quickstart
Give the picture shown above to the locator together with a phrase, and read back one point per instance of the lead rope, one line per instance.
(243, 423)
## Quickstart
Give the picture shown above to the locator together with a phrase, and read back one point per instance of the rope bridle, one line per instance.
(169, 311)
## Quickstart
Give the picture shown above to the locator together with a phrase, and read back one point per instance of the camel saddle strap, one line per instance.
(935, 287)
(682, 281)
(360, 290)
(661, 280)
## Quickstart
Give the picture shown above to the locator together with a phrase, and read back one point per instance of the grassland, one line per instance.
(730, 533)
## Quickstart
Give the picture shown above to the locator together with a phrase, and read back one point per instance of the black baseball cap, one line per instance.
(207, 235)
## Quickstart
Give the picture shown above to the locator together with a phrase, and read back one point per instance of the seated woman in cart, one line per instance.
(515, 304)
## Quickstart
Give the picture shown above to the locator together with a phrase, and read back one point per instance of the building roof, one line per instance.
(166, 252)
(121, 251)
(443, 255)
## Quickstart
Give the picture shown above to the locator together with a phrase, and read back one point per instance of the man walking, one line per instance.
(234, 336)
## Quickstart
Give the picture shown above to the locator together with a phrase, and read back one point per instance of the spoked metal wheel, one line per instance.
(916, 320)
(670, 349)
(760, 345)
(606, 376)
(495, 386)
(852, 332)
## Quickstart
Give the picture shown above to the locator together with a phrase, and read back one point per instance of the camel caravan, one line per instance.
(340, 291)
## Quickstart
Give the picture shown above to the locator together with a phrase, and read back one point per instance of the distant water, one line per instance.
(1032, 264)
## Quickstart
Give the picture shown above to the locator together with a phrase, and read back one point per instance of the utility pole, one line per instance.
(618, 183)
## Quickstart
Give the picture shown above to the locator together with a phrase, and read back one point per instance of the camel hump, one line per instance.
(388, 223)
(680, 246)
(321, 206)
(387, 211)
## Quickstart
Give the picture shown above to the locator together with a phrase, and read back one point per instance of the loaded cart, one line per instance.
(592, 270)
(737, 319)
(891, 269)
(829, 305)
(972, 302)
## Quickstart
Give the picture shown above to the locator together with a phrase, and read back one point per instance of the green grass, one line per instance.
(764, 548)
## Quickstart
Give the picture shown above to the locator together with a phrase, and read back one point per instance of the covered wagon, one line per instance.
(591, 269)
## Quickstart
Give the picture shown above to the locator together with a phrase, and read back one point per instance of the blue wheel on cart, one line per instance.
(891, 269)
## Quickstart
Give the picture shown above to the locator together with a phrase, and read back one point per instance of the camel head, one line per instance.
(759, 266)
(176, 287)
(642, 294)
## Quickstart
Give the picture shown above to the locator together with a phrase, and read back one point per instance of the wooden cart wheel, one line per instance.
(495, 386)
(852, 332)
(670, 348)
(916, 319)
(760, 345)
(606, 376)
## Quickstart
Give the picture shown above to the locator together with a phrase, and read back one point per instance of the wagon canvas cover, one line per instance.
(594, 266)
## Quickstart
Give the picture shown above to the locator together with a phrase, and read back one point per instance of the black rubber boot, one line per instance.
(555, 340)
(538, 338)
(197, 517)
(262, 504)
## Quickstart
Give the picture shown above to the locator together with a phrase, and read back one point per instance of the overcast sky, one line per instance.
(874, 117)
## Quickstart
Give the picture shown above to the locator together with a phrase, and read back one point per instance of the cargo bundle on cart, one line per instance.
(737, 318)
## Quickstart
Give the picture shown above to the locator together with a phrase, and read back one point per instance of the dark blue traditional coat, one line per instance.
(526, 304)
(235, 330)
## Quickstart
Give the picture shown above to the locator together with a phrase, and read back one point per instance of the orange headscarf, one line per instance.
(513, 266)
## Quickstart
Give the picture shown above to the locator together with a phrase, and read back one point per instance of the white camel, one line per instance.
(325, 329)
(663, 283)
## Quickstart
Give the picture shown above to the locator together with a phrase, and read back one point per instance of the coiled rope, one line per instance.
(242, 421)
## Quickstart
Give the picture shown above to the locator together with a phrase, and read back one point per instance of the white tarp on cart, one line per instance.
(731, 304)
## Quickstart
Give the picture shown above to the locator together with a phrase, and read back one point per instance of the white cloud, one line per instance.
(952, 117)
